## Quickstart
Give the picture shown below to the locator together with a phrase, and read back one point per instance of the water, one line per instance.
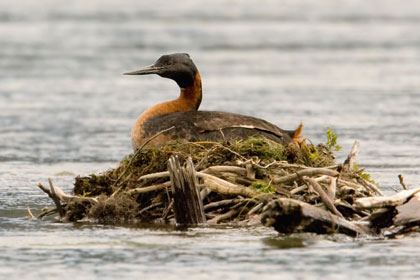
(65, 109)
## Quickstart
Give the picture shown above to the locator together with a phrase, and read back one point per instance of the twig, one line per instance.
(224, 187)
(221, 204)
(225, 168)
(305, 172)
(156, 175)
(322, 178)
(167, 210)
(222, 217)
(298, 189)
(157, 187)
(332, 187)
(61, 195)
(47, 211)
(250, 171)
(351, 184)
(373, 187)
(352, 157)
(204, 192)
(205, 157)
(149, 207)
(31, 216)
(56, 200)
(327, 201)
(400, 176)
(135, 156)
(255, 209)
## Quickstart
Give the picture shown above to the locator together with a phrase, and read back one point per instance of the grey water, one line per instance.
(67, 110)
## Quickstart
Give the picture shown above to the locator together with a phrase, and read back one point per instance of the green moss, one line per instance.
(263, 187)
(205, 154)
(258, 146)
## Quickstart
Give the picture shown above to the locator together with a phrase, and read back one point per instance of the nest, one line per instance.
(292, 188)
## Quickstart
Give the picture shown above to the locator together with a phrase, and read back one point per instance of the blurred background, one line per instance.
(66, 109)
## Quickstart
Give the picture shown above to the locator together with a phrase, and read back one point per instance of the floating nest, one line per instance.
(293, 188)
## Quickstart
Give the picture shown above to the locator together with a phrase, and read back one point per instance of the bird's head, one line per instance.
(178, 67)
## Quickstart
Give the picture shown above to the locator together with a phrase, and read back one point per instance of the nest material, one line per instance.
(238, 181)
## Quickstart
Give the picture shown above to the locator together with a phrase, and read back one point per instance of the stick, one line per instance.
(222, 217)
(250, 171)
(204, 192)
(225, 168)
(47, 211)
(149, 207)
(305, 172)
(400, 176)
(290, 216)
(373, 187)
(156, 175)
(135, 156)
(221, 204)
(255, 209)
(31, 216)
(298, 189)
(67, 197)
(153, 188)
(56, 200)
(408, 212)
(224, 187)
(386, 201)
(327, 201)
(332, 187)
(350, 184)
(352, 157)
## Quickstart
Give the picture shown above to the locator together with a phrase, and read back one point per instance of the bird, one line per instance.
(153, 126)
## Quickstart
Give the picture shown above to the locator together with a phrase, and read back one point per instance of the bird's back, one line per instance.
(213, 126)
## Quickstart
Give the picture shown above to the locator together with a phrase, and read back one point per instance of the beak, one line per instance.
(146, 70)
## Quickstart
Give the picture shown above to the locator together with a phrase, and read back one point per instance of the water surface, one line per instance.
(65, 109)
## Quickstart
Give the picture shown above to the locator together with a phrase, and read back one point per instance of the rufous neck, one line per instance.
(192, 95)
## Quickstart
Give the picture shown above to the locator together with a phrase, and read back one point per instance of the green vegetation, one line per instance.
(332, 141)
(263, 187)
(255, 163)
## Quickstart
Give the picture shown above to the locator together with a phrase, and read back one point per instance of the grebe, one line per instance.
(190, 124)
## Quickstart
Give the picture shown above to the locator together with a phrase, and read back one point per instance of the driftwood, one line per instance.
(351, 159)
(386, 201)
(322, 197)
(188, 206)
(408, 212)
(289, 215)
(221, 186)
(58, 195)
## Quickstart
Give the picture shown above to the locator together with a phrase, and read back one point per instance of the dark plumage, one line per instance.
(190, 124)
